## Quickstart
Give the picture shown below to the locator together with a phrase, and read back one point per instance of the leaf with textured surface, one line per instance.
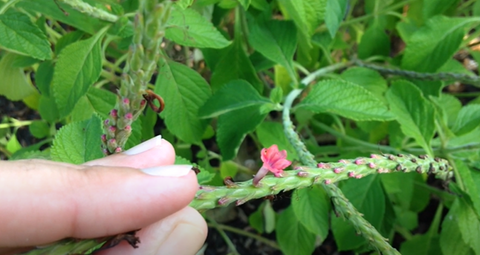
(374, 42)
(234, 126)
(234, 95)
(334, 15)
(78, 67)
(75, 18)
(20, 35)
(451, 241)
(367, 78)
(312, 207)
(307, 15)
(234, 64)
(435, 43)
(471, 179)
(292, 236)
(468, 119)
(184, 91)
(270, 133)
(367, 196)
(346, 99)
(276, 40)
(468, 223)
(78, 142)
(13, 83)
(189, 28)
(415, 114)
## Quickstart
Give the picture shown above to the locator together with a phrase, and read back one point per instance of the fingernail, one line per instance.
(184, 239)
(171, 170)
(145, 146)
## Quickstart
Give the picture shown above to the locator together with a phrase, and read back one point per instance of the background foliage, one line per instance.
(378, 77)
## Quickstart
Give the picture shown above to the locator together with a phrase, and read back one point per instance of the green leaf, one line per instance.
(415, 114)
(374, 42)
(74, 18)
(13, 82)
(367, 78)
(96, 100)
(471, 179)
(276, 40)
(234, 95)
(307, 15)
(48, 109)
(435, 43)
(334, 15)
(292, 236)
(436, 7)
(421, 245)
(78, 142)
(183, 91)
(270, 133)
(468, 119)
(39, 129)
(451, 241)
(367, 196)
(184, 3)
(13, 145)
(43, 77)
(233, 65)
(78, 67)
(255, 220)
(312, 207)
(189, 28)
(20, 35)
(469, 224)
(346, 99)
(270, 217)
(228, 169)
(67, 39)
(233, 126)
(450, 107)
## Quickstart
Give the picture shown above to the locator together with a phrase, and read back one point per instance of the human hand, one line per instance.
(43, 201)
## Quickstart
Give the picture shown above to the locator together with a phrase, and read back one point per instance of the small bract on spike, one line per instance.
(431, 169)
(223, 200)
(419, 169)
(422, 156)
(414, 160)
(359, 161)
(302, 174)
(351, 174)
(343, 161)
(375, 156)
(118, 150)
(328, 182)
(391, 157)
(323, 165)
(399, 155)
(338, 170)
(436, 159)
(398, 167)
(371, 165)
(358, 176)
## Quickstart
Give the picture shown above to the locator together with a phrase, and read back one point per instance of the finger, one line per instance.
(154, 152)
(49, 201)
(182, 233)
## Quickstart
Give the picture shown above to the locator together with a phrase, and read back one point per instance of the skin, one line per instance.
(44, 201)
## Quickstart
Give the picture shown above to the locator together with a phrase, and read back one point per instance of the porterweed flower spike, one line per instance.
(274, 161)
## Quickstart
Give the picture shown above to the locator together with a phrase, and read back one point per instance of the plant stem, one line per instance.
(464, 78)
(320, 72)
(7, 5)
(230, 245)
(246, 233)
(342, 205)
(95, 12)
(355, 141)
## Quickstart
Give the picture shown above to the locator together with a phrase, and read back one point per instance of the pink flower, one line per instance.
(274, 161)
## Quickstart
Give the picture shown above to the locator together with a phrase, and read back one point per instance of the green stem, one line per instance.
(342, 205)
(229, 242)
(355, 141)
(90, 10)
(321, 72)
(16, 123)
(248, 234)
(464, 78)
(7, 5)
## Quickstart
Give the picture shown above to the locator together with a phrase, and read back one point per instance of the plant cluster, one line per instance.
(363, 101)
